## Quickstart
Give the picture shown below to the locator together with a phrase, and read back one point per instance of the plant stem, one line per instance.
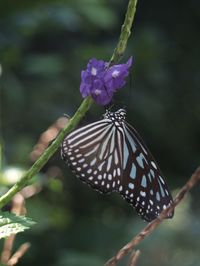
(125, 32)
(84, 107)
(35, 168)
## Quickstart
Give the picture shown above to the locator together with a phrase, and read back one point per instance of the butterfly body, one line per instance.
(109, 155)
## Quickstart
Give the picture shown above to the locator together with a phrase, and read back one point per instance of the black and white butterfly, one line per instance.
(109, 155)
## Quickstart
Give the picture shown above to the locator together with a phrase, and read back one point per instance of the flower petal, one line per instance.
(100, 81)
(102, 96)
(116, 74)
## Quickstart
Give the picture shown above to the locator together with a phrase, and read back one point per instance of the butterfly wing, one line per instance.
(94, 153)
(109, 155)
(144, 186)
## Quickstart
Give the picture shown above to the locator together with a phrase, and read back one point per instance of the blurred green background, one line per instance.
(43, 47)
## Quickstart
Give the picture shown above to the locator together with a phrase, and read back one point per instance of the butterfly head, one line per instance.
(118, 116)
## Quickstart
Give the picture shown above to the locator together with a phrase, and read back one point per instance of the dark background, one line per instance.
(43, 47)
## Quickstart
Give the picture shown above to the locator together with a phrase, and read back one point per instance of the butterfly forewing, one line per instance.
(93, 153)
(109, 155)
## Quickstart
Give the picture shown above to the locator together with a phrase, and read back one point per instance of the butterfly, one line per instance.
(109, 155)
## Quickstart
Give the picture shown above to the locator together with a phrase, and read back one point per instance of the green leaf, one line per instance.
(13, 224)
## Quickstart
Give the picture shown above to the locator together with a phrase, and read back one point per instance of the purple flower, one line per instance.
(101, 81)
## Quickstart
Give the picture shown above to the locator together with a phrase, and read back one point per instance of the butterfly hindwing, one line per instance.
(144, 186)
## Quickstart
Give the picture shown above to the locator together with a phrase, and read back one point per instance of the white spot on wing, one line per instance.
(153, 164)
(131, 185)
(109, 177)
(99, 177)
(143, 193)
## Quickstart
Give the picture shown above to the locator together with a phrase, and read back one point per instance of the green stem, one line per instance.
(42, 160)
(84, 107)
(125, 32)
